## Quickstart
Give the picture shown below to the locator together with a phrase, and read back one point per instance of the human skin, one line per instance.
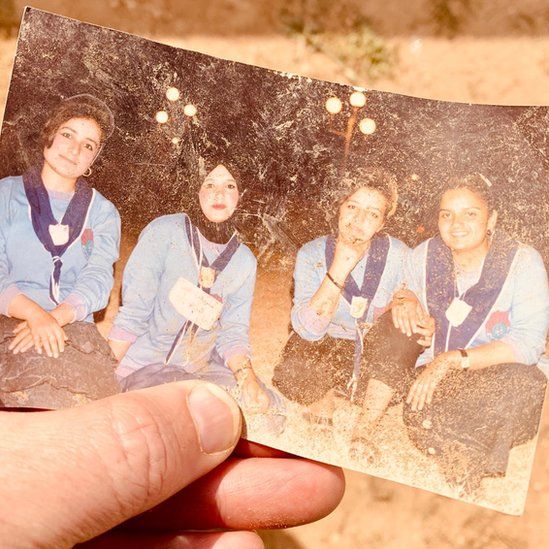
(74, 147)
(465, 224)
(71, 475)
(361, 216)
(218, 195)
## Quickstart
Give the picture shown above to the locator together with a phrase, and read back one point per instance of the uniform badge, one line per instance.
(207, 277)
(87, 242)
(457, 312)
(358, 306)
(59, 234)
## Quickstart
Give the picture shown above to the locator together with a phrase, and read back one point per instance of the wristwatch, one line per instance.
(465, 359)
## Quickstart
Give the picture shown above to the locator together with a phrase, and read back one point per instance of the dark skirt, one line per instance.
(82, 373)
(308, 370)
(475, 417)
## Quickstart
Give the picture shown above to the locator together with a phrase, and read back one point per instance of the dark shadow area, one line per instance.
(385, 18)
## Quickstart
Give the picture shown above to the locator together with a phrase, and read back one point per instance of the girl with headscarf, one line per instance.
(59, 239)
(476, 392)
(187, 294)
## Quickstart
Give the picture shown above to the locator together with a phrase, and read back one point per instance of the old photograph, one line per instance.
(365, 272)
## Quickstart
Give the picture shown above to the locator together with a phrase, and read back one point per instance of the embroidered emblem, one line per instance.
(87, 242)
(498, 325)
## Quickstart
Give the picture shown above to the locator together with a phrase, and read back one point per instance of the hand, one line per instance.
(422, 390)
(71, 475)
(42, 331)
(348, 253)
(407, 312)
(63, 313)
(255, 399)
(425, 328)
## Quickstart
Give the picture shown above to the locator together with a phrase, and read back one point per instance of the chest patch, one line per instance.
(87, 242)
(498, 325)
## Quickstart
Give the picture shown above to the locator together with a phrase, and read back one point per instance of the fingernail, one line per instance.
(216, 418)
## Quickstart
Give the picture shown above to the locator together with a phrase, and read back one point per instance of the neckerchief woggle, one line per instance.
(373, 271)
(201, 261)
(42, 218)
(441, 289)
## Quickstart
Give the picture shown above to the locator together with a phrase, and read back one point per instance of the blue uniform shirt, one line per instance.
(149, 320)
(25, 265)
(310, 270)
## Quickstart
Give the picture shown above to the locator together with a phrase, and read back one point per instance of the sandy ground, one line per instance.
(503, 69)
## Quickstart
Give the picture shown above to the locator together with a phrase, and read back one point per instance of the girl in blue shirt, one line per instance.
(59, 239)
(477, 391)
(187, 294)
(343, 284)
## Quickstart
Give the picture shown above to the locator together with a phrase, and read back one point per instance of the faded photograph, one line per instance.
(365, 272)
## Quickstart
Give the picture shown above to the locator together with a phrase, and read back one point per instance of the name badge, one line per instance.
(195, 304)
(457, 312)
(59, 234)
(358, 306)
(207, 277)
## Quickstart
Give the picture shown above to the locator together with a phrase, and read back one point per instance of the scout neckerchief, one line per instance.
(375, 266)
(477, 301)
(207, 274)
(56, 237)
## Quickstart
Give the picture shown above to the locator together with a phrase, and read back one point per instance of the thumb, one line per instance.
(72, 474)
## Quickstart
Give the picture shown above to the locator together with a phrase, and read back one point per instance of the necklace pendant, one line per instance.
(206, 277)
(358, 306)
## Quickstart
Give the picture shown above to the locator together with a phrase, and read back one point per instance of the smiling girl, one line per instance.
(187, 294)
(59, 237)
(477, 391)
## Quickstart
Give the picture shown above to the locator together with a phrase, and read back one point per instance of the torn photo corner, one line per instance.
(368, 270)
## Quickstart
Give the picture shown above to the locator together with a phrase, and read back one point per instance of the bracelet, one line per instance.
(333, 281)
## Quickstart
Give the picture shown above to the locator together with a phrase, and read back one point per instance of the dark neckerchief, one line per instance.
(441, 289)
(375, 266)
(42, 217)
(373, 271)
(202, 261)
(218, 265)
(217, 233)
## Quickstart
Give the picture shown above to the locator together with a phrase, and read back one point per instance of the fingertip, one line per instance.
(216, 416)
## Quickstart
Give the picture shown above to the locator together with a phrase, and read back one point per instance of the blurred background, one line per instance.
(485, 51)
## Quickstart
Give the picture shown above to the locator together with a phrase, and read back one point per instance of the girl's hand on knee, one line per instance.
(254, 397)
(406, 312)
(46, 334)
(426, 329)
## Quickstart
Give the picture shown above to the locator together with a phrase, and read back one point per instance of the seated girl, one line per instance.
(477, 391)
(187, 294)
(343, 283)
(59, 239)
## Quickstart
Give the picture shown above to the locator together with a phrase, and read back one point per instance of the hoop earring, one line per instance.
(87, 173)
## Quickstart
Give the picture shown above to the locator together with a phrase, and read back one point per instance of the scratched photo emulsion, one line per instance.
(365, 272)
